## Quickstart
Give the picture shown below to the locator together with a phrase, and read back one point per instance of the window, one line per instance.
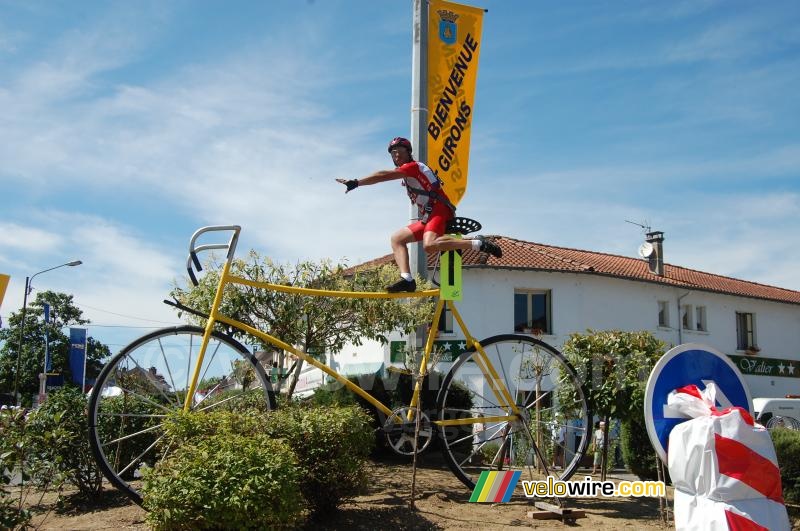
(532, 312)
(687, 322)
(693, 318)
(745, 331)
(700, 319)
(446, 321)
(663, 313)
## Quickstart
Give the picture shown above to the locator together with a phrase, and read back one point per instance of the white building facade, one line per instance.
(554, 291)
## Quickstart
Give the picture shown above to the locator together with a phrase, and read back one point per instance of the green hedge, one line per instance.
(65, 411)
(330, 443)
(787, 448)
(13, 448)
(225, 481)
(335, 394)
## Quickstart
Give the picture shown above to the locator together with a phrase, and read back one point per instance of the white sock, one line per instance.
(407, 276)
(476, 245)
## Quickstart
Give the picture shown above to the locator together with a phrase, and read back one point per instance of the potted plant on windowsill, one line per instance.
(752, 350)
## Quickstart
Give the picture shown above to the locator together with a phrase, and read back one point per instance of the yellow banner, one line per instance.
(3, 285)
(454, 36)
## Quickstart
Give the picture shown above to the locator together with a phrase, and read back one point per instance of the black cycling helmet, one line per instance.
(399, 141)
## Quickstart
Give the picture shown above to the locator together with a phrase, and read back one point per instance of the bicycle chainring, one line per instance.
(399, 430)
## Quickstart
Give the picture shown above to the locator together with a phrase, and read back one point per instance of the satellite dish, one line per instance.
(646, 249)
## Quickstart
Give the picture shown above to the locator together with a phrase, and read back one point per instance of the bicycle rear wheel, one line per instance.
(148, 380)
(551, 434)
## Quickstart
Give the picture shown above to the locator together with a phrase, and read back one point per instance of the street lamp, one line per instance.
(28, 289)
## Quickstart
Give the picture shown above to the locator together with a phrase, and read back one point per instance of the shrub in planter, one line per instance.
(65, 411)
(225, 481)
(787, 448)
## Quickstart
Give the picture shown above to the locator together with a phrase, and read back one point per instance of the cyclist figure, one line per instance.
(435, 209)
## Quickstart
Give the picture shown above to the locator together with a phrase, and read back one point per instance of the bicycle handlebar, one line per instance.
(194, 250)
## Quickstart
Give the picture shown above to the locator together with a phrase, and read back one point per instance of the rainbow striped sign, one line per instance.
(495, 487)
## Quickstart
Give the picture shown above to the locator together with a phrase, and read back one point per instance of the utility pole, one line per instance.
(419, 118)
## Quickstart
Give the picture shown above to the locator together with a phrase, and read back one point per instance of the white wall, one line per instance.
(584, 301)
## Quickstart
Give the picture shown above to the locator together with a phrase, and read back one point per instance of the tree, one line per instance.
(63, 313)
(614, 366)
(314, 324)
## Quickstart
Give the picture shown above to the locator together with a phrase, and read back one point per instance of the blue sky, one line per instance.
(124, 126)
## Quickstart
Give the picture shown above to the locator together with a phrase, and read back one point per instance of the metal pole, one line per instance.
(419, 116)
(21, 335)
(85, 357)
(43, 375)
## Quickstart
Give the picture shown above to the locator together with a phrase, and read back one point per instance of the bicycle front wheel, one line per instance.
(148, 380)
(480, 431)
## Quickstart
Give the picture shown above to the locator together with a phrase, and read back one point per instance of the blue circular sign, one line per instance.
(683, 365)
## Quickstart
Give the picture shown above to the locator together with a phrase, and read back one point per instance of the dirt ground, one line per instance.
(442, 503)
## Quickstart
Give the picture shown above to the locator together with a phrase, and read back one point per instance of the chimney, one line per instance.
(656, 239)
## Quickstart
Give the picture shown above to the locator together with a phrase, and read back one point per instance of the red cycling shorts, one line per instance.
(437, 222)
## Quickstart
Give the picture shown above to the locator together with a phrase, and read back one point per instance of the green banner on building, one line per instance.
(758, 366)
(450, 349)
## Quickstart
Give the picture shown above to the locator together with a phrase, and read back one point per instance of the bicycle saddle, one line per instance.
(462, 226)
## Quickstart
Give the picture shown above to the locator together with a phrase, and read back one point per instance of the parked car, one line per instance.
(775, 412)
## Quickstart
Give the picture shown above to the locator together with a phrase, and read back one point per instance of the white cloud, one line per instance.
(121, 271)
(24, 238)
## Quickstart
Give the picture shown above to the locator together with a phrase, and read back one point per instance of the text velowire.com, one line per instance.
(589, 488)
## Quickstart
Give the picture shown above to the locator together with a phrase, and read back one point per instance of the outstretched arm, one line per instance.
(375, 178)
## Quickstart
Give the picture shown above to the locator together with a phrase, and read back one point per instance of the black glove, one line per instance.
(351, 184)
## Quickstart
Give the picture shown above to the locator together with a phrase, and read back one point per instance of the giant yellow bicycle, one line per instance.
(507, 402)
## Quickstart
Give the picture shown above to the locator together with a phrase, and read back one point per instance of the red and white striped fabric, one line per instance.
(723, 467)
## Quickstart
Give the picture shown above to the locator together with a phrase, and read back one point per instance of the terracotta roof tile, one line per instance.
(520, 254)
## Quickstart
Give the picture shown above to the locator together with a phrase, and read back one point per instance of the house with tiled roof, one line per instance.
(555, 291)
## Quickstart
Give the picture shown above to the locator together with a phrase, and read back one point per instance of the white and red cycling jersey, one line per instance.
(424, 188)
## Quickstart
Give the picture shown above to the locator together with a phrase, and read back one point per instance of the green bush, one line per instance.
(12, 460)
(20, 455)
(332, 444)
(65, 410)
(787, 448)
(225, 481)
(637, 451)
(335, 394)
(235, 400)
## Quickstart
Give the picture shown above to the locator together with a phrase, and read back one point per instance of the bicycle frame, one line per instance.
(500, 390)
